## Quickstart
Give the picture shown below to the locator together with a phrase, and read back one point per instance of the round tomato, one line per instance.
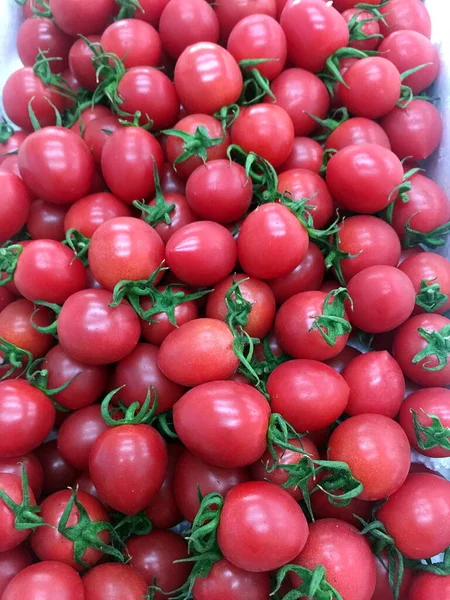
(87, 214)
(11, 485)
(405, 14)
(426, 272)
(340, 361)
(135, 42)
(41, 34)
(33, 469)
(113, 581)
(95, 134)
(369, 28)
(232, 12)
(58, 473)
(81, 64)
(11, 142)
(429, 585)
(46, 221)
(225, 580)
(15, 205)
(11, 563)
(323, 509)
(357, 130)
(46, 580)
(73, 17)
(151, 11)
(306, 154)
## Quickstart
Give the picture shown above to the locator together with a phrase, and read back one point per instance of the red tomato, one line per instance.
(432, 269)
(405, 14)
(357, 130)
(135, 42)
(41, 34)
(323, 509)
(95, 135)
(6, 297)
(163, 510)
(307, 393)
(87, 214)
(151, 11)
(15, 139)
(46, 580)
(171, 183)
(181, 215)
(78, 433)
(85, 484)
(231, 12)
(227, 581)
(11, 563)
(370, 28)
(58, 473)
(383, 590)
(80, 62)
(73, 17)
(15, 205)
(113, 581)
(46, 221)
(33, 468)
(415, 536)
(12, 537)
(90, 114)
(429, 585)
(203, 425)
(340, 361)
(305, 154)
(207, 77)
(114, 336)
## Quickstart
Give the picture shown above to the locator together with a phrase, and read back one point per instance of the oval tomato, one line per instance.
(88, 213)
(135, 42)
(41, 34)
(231, 12)
(15, 205)
(405, 14)
(75, 18)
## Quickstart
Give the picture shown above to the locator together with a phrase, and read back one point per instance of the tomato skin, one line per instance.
(96, 137)
(267, 130)
(232, 12)
(116, 332)
(323, 509)
(225, 580)
(33, 470)
(163, 510)
(309, 394)
(260, 318)
(58, 473)
(429, 585)
(113, 581)
(261, 547)
(207, 77)
(41, 33)
(90, 114)
(46, 221)
(87, 214)
(15, 206)
(314, 30)
(45, 580)
(11, 563)
(382, 470)
(405, 14)
(171, 181)
(432, 268)
(80, 62)
(128, 464)
(341, 360)
(306, 154)
(11, 537)
(369, 28)
(6, 297)
(152, 10)
(206, 409)
(336, 545)
(135, 42)
(73, 17)
(417, 537)
(12, 143)
(357, 130)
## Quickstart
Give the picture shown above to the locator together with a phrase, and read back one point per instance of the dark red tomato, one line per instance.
(372, 87)
(192, 473)
(124, 248)
(114, 336)
(181, 215)
(431, 269)
(207, 77)
(357, 130)
(80, 62)
(272, 242)
(369, 28)
(41, 34)
(202, 422)
(12, 143)
(114, 581)
(307, 393)
(426, 403)
(46, 580)
(267, 130)
(408, 343)
(128, 464)
(77, 435)
(383, 298)
(73, 17)
(130, 179)
(163, 510)
(261, 527)
(314, 30)
(48, 271)
(152, 93)
(97, 132)
(414, 131)
(171, 182)
(428, 207)
(259, 36)
(260, 469)
(84, 482)
(231, 12)
(323, 509)
(33, 468)
(6, 297)
(135, 42)
(175, 145)
(219, 191)
(186, 22)
(362, 177)
(306, 154)
(225, 580)
(255, 291)
(307, 275)
(15, 205)
(87, 214)
(338, 548)
(46, 221)
(201, 253)
(58, 473)
(301, 184)
(418, 535)
(23, 87)
(139, 372)
(370, 241)
(429, 585)
(151, 11)
(56, 165)
(11, 563)
(11, 537)
(405, 14)
(340, 361)
(383, 590)
(16, 327)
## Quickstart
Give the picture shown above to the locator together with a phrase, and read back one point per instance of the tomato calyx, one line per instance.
(44, 11)
(164, 424)
(127, 525)
(261, 173)
(9, 255)
(336, 118)
(42, 69)
(314, 583)
(162, 209)
(431, 436)
(135, 414)
(6, 131)
(432, 239)
(17, 357)
(26, 514)
(51, 329)
(38, 378)
(227, 115)
(438, 568)
(400, 192)
(406, 93)
(438, 345)
(374, 10)
(334, 255)
(356, 31)
(78, 243)
(332, 323)
(263, 368)
(255, 86)
(429, 297)
(195, 144)
(128, 9)
(331, 73)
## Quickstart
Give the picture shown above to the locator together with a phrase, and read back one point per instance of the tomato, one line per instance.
(58, 473)
(232, 12)
(46, 221)
(135, 42)
(307, 275)
(219, 191)
(370, 28)
(341, 360)
(383, 590)
(201, 253)
(376, 384)
(130, 179)
(414, 131)
(418, 535)
(301, 184)
(113, 581)
(163, 510)
(45, 580)
(323, 509)
(12, 537)
(181, 215)
(151, 11)
(85, 484)
(33, 468)
(23, 87)
(6, 297)
(306, 154)
(202, 423)
(15, 205)
(114, 336)
(405, 14)
(255, 291)
(11, 563)
(259, 36)
(314, 30)
(88, 213)
(429, 585)
(80, 62)
(207, 77)
(408, 343)
(95, 134)
(307, 393)
(338, 548)
(225, 580)
(41, 34)
(73, 17)
(89, 114)
(357, 130)
(432, 269)
(11, 142)
(171, 182)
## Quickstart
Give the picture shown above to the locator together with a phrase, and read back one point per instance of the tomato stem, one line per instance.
(332, 323)
(429, 297)
(26, 514)
(313, 583)
(438, 345)
(195, 144)
(431, 436)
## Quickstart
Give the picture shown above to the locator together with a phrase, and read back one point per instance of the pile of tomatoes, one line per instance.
(222, 307)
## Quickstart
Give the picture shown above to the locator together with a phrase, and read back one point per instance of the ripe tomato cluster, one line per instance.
(216, 307)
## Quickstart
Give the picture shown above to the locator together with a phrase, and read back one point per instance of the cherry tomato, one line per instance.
(225, 580)
(89, 114)
(11, 563)
(41, 34)
(88, 213)
(33, 468)
(405, 14)
(232, 12)
(113, 581)
(15, 205)
(151, 11)
(11, 536)
(80, 62)
(181, 215)
(85, 484)
(58, 473)
(432, 269)
(429, 585)
(163, 510)
(95, 134)
(370, 28)
(46, 221)
(135, 42)
(73, 17)
(13, 142)
(323, 509)
(383, 590)
(340, 361)
(171, 182)
(306, 154)
(46, 580)
(357, 130)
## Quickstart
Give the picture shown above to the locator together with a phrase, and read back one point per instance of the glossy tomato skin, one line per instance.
(432, 268)
(88, 213)
(6, 297)
(307, 393)
(11, 537)
(73, 17)
(417, 537)
(12, 143)
(113, 581)
(135, 42)
(376, 384)
(206, 409)
(171, 181)
(225, 580)
(405, 14)
(116, 332)
(11, 563)
(384, 468)
(357, 130)
(271, 242)
(152, 10)
(306, 154)
(192, 473)
(46, 221)
(128, 464)
(15, 206)
(323, 509)
(41, 34)
(46, 580)
(80, 62)
(95, 135)
(58, 473)
(338, 547)
(232, 12)
(261, 527)
(163, 510)
(207, 77)
(429, 585)
(56, 165)
(33, 468)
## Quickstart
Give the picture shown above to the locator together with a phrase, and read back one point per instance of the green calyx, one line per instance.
(438, 345)
(255, 87)
(261, 173)
(38, 378)
(431, 436)
(17, 357)
(332, 323)
(165, 425)
(79, 244)
(333, 121)
(314, 584)
(406, 93)
(432, 239)
(334, 255)
(400, 193)
(438, 568)
(227, 115)
(195, 144)
(51, 329)
(429, 297)
(331, 73)
(43, 11)
(356, 28)
(9, 255)
(374, 10)
(42, 69)
(162, 210)
(259, 371)
(6, 131)
(135, 414)
(26, 515)
(128, 9)
(127, 525)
